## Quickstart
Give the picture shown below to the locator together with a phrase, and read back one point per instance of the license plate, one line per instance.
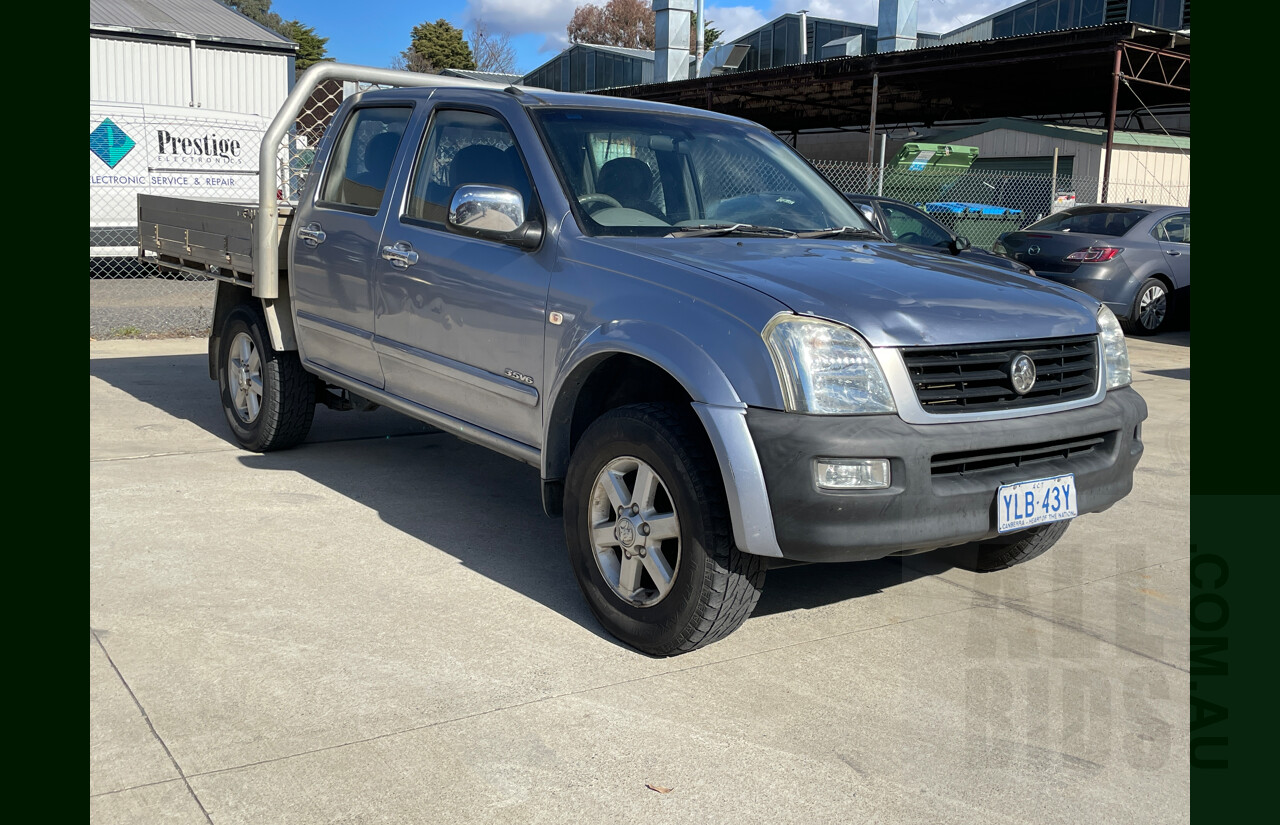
(1028, 503)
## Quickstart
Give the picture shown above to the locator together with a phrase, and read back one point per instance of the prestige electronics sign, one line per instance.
(149, 155)
(158, 151)
(206, 146)
(110, 143)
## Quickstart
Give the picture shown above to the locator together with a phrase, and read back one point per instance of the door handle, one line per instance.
(1172, 253)
(311, 234)
(400, 254)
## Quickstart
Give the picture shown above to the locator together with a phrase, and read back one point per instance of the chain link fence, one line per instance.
(981, 205)
(163, 151)
(215, 155)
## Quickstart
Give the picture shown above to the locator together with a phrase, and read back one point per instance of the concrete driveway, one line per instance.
(381, 626)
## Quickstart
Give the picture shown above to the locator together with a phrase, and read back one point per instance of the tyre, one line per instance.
(268, 398)
(1005, 551)
(649, 536)
(1152, 309)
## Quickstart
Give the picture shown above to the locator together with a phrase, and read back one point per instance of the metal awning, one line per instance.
(1068, 72)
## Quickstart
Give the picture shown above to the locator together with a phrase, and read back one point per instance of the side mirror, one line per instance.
(959, 244)
(493, 212)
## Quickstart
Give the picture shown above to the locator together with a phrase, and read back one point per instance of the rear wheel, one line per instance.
(1005, 551)
(649, 535)
(1152, 309)
(268, 398)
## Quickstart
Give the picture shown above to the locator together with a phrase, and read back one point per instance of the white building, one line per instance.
(196, 53)
(180, 94)
(1151, 167)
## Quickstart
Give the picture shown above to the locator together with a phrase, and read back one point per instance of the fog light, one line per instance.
(852, 473)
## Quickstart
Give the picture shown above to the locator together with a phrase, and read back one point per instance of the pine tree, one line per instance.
(437, 46)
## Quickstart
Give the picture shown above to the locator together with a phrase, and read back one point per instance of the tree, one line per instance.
(311, 46)
(410, 61)
(710, 34)
(492, 50)
(436, 46)
(626, 23)
(259, 11)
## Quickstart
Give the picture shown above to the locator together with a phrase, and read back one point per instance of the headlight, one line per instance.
(1115, 353)
(826, 368)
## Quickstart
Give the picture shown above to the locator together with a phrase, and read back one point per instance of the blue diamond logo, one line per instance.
(110, 143)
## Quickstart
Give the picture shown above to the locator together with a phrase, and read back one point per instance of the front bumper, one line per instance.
(929, 507)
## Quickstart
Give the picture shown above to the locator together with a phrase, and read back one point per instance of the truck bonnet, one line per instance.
(891, 295)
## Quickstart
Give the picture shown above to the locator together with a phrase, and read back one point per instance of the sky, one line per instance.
(372, 33)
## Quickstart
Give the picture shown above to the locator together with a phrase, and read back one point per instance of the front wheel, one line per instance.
(1152, 309)
(268, 398)
(1005, 551)
(649, 534)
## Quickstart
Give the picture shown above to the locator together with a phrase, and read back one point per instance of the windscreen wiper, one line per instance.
(714, 230)
(849, 231)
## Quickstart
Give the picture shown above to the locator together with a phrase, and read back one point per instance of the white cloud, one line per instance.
(548, 18)
(532, 17)
(523, 16)
(931, 15)
(735, 21)
(944, 15)
(858, 11)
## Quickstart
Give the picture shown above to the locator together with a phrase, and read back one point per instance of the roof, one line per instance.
(813, 19)
(1080, 134)
(202, 20)
(642, 54)
(488, 77)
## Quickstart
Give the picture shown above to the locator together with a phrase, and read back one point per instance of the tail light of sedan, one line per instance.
(1094, 254)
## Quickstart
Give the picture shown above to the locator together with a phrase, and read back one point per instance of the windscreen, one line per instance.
(657, 173)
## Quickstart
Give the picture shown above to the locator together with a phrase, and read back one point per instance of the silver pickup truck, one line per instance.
(715, 362)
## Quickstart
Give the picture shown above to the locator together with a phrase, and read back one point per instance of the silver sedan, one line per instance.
(1135, 258)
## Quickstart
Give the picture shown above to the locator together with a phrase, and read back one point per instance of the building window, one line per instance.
(1046, 15)
(1092, 12)
(1067, 14)
(1024, 20)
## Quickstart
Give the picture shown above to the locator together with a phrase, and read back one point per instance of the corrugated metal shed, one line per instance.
(1037, 74)
(488, 77)
(1081, 134)
(195, 53)
(644, 54)
(205, 21)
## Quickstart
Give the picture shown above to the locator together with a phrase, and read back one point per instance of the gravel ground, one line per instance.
(149, 307)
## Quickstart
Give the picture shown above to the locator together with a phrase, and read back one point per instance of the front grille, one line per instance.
(999, 458)
(975, 377)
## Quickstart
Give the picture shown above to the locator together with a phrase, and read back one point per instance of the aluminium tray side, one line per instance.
(213, 233)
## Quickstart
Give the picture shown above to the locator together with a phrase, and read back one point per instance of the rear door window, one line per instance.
(1174, 229)
(361, 163)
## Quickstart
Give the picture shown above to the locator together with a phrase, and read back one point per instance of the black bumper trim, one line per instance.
(922, 510)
